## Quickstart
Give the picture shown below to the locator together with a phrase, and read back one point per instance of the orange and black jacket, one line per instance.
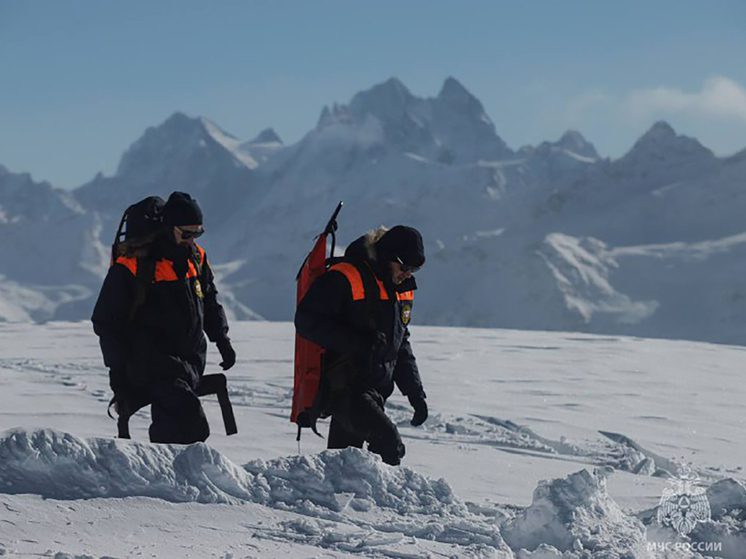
(345, 307)
(163, 339)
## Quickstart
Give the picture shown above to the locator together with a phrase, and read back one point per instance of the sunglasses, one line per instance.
(407, 267)
(186, 234)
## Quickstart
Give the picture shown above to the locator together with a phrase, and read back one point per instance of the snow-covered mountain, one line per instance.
(266, 144)
(551, 236)
(183, 153)
(450, 128)
(52, 257)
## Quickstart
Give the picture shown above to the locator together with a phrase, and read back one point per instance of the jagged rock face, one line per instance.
(450, 128)
(266, 136)
(463, 129)
(661, 156)
(574, 142)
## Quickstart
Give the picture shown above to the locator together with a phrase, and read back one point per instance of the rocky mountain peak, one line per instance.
(662, 142)
(454, 93)
(574, 142)
(173, 139)
(390, 102)
(266, 136)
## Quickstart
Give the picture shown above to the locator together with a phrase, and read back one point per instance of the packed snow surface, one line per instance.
(539, 445)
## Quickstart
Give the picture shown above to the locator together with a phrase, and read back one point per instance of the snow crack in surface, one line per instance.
(615, 450)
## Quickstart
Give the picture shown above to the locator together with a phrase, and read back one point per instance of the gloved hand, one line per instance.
(227, 353)
(420, 409)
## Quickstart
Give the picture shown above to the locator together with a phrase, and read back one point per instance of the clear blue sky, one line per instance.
(81, 80)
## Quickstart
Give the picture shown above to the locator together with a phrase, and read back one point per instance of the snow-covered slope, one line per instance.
(539, 446)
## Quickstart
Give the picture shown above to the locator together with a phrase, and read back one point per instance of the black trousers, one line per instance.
(359, 417)
(177, 414)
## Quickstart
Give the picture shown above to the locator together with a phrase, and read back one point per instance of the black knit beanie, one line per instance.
(401, 243)
(181, 209)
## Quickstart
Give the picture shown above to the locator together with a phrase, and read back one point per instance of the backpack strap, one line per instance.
(372, 293)
(197, 259)
(364, 286)
(143, 278)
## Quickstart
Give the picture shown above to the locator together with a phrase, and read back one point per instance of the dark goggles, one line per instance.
(407, 267)
(186, 234)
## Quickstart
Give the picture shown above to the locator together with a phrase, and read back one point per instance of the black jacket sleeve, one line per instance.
(111, 321)
(406, 373)
(320, 316)
(216, 323)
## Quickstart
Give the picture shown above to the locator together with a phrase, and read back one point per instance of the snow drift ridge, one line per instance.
(59, 465)
(570, 518)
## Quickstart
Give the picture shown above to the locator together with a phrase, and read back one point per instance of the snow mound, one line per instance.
(726, 496)
(727, 499)
(59, 465)
(575, 517)
(360, 478)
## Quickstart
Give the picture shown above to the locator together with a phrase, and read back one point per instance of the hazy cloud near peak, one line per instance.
(719, 96)
(715, 114)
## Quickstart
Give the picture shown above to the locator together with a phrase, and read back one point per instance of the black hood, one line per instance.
(359, 250)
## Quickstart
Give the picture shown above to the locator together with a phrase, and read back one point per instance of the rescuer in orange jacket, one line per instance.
(359, 311)
(155, 348)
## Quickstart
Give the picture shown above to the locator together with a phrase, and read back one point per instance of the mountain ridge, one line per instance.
(546, 237)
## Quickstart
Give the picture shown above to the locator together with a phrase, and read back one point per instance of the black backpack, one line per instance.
(139, 226)
(141, 223)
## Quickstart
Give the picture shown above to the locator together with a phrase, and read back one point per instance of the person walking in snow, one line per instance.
(151, 316)
(359, 311)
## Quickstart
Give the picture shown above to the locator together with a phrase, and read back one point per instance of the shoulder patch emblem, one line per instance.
(406, 313)
(198, 289)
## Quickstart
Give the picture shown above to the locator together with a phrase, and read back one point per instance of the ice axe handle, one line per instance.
(331, 226)
(218, 384)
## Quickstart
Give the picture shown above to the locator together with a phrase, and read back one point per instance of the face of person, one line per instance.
(184, 235)
(399, 273)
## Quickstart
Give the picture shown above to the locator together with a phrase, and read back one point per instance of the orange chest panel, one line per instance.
(358, 289)
(164, 271)
(164, 268)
